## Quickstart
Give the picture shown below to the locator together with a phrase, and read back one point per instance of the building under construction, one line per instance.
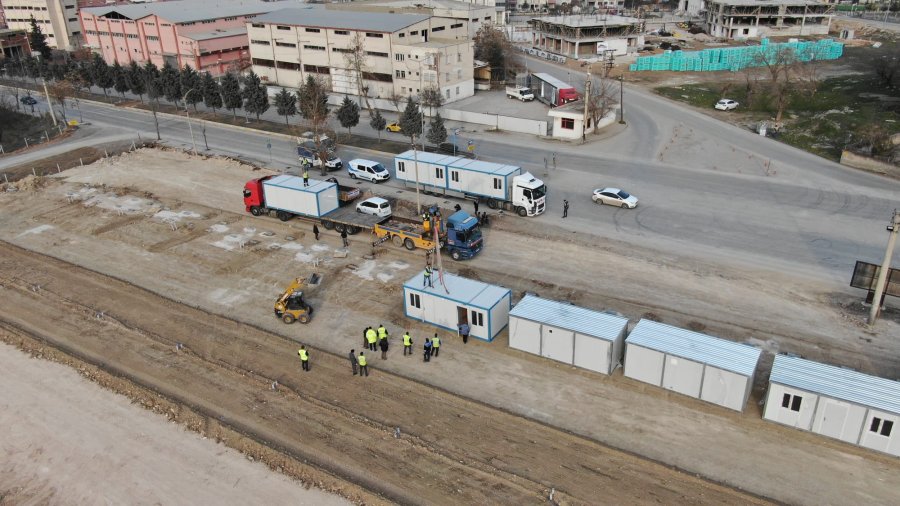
(587, 36)
(745, 19)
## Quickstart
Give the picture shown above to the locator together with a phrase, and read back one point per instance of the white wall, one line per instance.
(525, 335)
(775, 412)
(876, 441)
(643, 364)
(838, 419)
(683, 376)
(507, 123)
(592, 353)
(499, 316)
(725, 388)
(557, 343)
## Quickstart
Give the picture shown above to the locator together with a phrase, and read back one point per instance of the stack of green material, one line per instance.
(737, 58)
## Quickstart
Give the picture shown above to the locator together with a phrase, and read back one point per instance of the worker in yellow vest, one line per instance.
(426, 278)
(382, 333)
(363, 365)
(371, 338)
(407, 344)
(304, 357)
(305, 173)
(435, 345)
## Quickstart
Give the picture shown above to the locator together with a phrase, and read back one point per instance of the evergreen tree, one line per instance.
(312, 100)
(212, 95)
(32, 70)
(38, 41)
(411, 120)
(103, 76)
(120, 79)
(152, 82)
(170, 83)
(437, 132)
(190, 80)
(231, 93)
(86, 73)
(256, 98)
(348, 113)
(286, 104)
(378, 123)
(134, 76)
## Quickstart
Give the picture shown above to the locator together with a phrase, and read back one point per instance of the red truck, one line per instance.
(552, 91)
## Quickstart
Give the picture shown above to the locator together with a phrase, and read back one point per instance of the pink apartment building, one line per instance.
(208, 35)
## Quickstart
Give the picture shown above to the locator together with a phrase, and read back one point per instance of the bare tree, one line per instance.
(60, 91)
(312, 101)
(601, 101)
(492, 46)
(808, 75)
(781, 63)
(395, 99)
(355, 58)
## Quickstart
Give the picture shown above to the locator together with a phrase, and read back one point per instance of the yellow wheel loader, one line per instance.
(290, 306)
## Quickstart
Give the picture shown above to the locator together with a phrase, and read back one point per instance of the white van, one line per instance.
(368, 170)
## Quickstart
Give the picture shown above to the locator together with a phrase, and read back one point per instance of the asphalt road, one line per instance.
(813, 219)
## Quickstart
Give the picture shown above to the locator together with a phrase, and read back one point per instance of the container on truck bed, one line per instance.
(552, 91)
(499, 185)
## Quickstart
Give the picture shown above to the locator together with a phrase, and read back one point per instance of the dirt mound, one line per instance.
(29, 183)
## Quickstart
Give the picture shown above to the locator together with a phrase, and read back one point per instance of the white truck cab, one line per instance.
(520, 92)
(529, 194)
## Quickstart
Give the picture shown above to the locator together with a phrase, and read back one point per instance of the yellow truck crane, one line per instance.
(290, 306)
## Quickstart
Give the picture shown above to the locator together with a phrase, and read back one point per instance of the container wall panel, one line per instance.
(724, 388)
(412, 311)
(839, 419)
(499, 316)
(787, 410)
(592, 353)
(525, 335)
(557, 343)
(643, 364)
(873, 432)
(683, 376)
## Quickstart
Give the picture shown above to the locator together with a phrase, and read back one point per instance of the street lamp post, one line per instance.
(894, 229)
(188, 112)
(622, 99)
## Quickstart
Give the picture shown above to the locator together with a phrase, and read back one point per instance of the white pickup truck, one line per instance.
(520, 92)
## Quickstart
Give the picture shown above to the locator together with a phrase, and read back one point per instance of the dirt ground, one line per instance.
(175, 226)
(64, 435)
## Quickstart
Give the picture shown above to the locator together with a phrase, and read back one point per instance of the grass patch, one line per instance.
(16, 127)
(824, 123)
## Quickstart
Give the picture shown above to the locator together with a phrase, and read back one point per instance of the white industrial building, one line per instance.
(691, 363)
(570, 334)
(835, 402)
(484, 307)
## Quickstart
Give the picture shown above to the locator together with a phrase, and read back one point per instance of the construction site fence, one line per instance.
(738, 58)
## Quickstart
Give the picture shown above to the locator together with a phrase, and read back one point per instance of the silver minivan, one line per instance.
(368, 170)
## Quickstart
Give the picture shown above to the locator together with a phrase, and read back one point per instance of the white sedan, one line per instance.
(726, 104)
(374, 205)
(614, 197)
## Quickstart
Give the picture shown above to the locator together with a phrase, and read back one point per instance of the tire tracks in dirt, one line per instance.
(451, 449)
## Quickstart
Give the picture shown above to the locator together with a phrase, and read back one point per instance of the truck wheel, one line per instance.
(397, 240)
(329, 225)
(283, 216)
(410, 245)
(340, 227)
(522, 212)
(492, 203)
(288, 318)
(353, 229)
(255, 211)
(455, 255)
(304, 318)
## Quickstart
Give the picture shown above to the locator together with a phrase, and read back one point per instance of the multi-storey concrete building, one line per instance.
(741, 19)
(58, 20)
(587, 36)
(13, 43)
(475, 14)
(374, 53)
(208, 35)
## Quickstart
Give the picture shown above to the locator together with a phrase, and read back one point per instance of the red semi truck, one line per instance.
(552, 91)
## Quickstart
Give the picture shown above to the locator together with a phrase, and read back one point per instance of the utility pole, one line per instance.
(622, 99)
(893, 228)
(49, 103)
(587, 101)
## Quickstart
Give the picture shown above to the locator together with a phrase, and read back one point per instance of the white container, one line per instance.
(287, 193)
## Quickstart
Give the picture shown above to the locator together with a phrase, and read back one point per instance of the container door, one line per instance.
(833, 421)
(462, 315)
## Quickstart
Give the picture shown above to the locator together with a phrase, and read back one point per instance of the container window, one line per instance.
(414, 300)
(791, 402)
(477, 318)
(883, 427)
(439, 173)
(454, 175)
(498, 183)
(401, 167)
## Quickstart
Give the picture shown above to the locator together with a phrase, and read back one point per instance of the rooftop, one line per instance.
(461, 163)
(217, 34)
(566, 316)
(727, 355)
(185, 11)
(341, 19)
(465, 290)
(837, 382)
(583, 21)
